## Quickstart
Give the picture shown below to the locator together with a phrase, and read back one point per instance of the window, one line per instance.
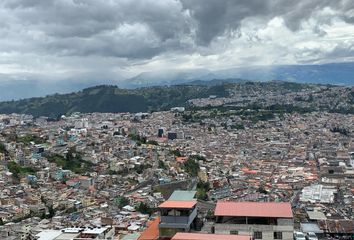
(257, 235)
(233, 232)
(278, 235)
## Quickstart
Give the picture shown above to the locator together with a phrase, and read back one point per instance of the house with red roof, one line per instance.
(261, 220)
(176, 216)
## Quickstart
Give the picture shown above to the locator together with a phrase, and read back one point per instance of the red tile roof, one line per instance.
(178, 204)
(152, 231)
(254, 209)
(198, 236)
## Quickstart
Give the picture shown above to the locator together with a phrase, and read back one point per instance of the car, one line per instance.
(311, 236)
(299, 235)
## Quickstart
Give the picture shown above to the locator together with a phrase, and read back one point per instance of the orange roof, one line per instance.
(200, 236)
(181, 159)
(254, 209)
(152, 231)
(178, 204)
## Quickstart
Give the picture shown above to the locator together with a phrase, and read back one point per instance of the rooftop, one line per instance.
(254, 209)
(180, 195)
(152, 231)
(178, 204)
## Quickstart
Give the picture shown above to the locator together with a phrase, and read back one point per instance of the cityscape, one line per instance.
(188, 170)
(176, 120)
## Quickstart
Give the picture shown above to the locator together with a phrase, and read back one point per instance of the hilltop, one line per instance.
(107, 98)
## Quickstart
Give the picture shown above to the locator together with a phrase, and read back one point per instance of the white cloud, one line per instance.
(57, 39)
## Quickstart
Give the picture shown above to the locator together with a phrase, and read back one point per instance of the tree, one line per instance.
(161, 165)
(122, 201)
(202, 189)
(3, 148)
(201, 194)
(191, 166)
(144, 208)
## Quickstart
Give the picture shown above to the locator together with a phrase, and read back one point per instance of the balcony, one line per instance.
(178, 221)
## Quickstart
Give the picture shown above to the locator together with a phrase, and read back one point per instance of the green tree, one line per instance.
(191, 166)
(161, 164)
(144, 208)
(122, 201)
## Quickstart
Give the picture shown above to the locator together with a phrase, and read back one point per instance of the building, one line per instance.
(176, 216)
(78, 233)
(171, 135)
(262, 220)
(160, 133)
(201, 236)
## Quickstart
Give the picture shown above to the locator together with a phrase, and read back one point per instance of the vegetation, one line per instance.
(152, 142)
(138, 139)
(176, 152)
(191, 166)
(18, 170)
(340, 130)
(144, 208)
(3, 149)
(140, 168)
(202, 189)
(72, 161)
(122, 201)
(162, 165)
(197, 157)
(27, 139)
(114, 99)
(111, 99)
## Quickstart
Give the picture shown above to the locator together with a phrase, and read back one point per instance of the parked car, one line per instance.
(299, 236)
(311, 236)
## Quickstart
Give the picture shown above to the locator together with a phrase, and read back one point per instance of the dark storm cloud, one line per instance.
(217, 17)
(146, 28)
(109, 28)
(61, 39)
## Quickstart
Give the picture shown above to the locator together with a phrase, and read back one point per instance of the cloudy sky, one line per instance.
(55, 39)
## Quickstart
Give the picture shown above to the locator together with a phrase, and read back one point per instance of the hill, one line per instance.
(110, 99)
(235, 92)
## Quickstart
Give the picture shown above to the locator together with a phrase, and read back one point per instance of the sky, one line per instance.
(117, 39)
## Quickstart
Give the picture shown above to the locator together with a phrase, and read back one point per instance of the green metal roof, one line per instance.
(179, 195)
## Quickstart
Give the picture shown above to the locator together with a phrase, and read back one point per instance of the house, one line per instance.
(77, 233)
(176, 216)
(262, 220)
(201, 236)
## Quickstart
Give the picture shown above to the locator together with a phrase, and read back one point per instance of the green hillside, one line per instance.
(111, 99)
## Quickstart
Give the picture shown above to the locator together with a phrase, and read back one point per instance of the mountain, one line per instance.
(166, 78)
(14, 87)
(333, 73)
(111, 99)
(108, 98)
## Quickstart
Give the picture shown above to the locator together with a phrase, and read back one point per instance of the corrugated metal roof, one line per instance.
(180, 195)
(254, 209)
(200, 236)
(316, 215)
(178, 204)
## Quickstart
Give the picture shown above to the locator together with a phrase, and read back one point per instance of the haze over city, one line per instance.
(67, 45)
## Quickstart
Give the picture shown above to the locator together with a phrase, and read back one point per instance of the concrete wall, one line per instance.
(267, 230)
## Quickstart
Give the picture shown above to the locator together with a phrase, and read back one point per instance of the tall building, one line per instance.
(171, 135)
(160, 133)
